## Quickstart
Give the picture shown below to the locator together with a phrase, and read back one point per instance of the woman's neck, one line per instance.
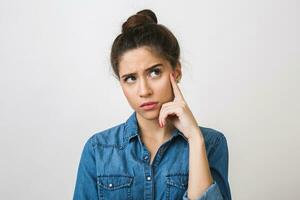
(150, 130)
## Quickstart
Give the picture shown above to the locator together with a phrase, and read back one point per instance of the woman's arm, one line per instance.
(86, 182)
(206, 174)
(217, 171)
(199, 174)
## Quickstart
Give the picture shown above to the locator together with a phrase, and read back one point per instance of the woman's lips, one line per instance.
(149, 106)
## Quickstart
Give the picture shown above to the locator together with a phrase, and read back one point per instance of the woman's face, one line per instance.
(145, 77)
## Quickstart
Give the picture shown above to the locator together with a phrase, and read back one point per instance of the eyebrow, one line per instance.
(148, 69)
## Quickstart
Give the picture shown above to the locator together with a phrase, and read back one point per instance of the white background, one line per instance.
(241, 67)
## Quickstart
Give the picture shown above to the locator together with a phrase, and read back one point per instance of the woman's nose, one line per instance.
(144, 88)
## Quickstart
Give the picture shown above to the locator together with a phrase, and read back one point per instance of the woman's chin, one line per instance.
(149, 114)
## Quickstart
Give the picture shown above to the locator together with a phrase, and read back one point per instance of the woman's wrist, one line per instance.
(196, 137)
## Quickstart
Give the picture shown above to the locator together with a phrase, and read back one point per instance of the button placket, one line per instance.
(146, 158)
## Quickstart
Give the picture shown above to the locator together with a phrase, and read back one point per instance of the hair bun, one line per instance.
(142, 17)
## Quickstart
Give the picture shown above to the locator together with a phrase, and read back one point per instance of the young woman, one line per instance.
(160, 152)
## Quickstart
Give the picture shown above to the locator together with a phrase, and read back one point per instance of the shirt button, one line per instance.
(149, 178)
(145, 157)
(110, 185)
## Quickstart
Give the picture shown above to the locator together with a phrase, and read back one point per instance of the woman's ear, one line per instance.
(178, 73)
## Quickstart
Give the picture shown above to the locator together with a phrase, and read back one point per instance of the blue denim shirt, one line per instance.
(115, 164)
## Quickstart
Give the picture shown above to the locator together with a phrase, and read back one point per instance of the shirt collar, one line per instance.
(131, 129)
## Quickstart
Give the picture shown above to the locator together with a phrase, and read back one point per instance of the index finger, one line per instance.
(176, 90)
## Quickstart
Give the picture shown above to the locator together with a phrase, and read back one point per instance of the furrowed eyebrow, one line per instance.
(148, 69)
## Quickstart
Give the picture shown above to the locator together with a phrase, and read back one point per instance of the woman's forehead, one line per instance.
(139, 59)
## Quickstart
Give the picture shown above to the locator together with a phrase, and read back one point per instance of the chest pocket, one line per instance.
(115, 187)
(176, 185)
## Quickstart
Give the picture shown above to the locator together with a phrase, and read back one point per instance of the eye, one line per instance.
(129, 79)
(155, 72)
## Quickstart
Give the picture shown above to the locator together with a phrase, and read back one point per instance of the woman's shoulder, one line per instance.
(112, 136)
(212, 136)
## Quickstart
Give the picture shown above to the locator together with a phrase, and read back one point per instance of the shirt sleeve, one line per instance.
(212, 192)
(218, 163)
(86, 182)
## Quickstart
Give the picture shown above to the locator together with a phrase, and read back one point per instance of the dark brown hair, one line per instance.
(141, 30)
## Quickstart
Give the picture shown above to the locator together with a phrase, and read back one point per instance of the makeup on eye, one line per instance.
(156, 71)
(147, 70)
(128, 77)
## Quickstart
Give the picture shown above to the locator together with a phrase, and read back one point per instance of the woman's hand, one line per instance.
(178, 113)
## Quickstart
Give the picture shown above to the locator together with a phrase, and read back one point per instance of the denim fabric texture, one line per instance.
(115, 164)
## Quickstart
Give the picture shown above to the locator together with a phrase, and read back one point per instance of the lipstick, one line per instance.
(149, 105)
